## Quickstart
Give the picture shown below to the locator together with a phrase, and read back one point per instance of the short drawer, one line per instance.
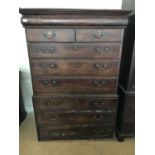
(62, 119)
(99, 35)
(50, 35)
(74, 67)
(74, 104)
(87, 132)
(74, 85)
(74, 50)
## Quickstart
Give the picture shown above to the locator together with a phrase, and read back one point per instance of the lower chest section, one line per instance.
(78, 117)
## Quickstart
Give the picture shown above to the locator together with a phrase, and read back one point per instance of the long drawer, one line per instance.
(50, 35)
(74, 50)
(73, 118)
(87, 132)
(72, 85)
(74, 104)
(99, 35)
(76, 67)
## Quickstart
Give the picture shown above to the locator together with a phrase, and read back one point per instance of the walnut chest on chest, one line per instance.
(74, 59)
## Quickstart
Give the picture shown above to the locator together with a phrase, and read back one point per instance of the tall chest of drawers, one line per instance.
(74, 59)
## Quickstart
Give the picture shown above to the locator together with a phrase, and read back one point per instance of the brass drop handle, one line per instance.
(50, 34)
(54, 83)
(105, 49)
(98, 34)
(52, 65)
(50, 83)
(53, 133)
(99, 83)
(47, 50)
(51, 103)
(98, 117)
(101, 66)
(46, 82)
(75, 48)
(99, 104)
(55, 117)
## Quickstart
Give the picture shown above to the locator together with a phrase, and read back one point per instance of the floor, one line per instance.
(30, 146)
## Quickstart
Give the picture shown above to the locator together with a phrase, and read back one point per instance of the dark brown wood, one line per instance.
(127, 67)
(126, 114)
(85, 132)
(80, 12)
(50, 35)
(74, 85)
(74, 50)
(74, 104)
(74, 59)
(61, 17)
(126, 107)
(65, 118)
(75, 67)
(99, 35)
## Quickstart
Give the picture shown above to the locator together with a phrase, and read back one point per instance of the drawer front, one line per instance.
(50, 35)
(61, 119)
(74, 85)
(76, 67)
(74, 50)
(74, 104)
(99, 35)
(76, 133)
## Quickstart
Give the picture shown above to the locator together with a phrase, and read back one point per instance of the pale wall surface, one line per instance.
(23, 56)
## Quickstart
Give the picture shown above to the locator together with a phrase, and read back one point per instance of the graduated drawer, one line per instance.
(75, 104)
(74, 67)
(73, 118)
(74, 50)
(74, 85)
(99, 35)
(87, 132)
(50, 35)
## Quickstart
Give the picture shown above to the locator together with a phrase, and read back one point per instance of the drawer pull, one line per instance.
(49, 35)
(54, 83)
(50, 83)
(99, 105)
(101, 66)
(51, 103)
(105, 49)
(48, 65)
(75, 48)
(98, 117)
(52, 65)
(99, 83)
(45, 82)
(47, 50)
(52, 133)
(98, 34)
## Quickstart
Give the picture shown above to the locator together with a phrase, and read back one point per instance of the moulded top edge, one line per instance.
(73, 12)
